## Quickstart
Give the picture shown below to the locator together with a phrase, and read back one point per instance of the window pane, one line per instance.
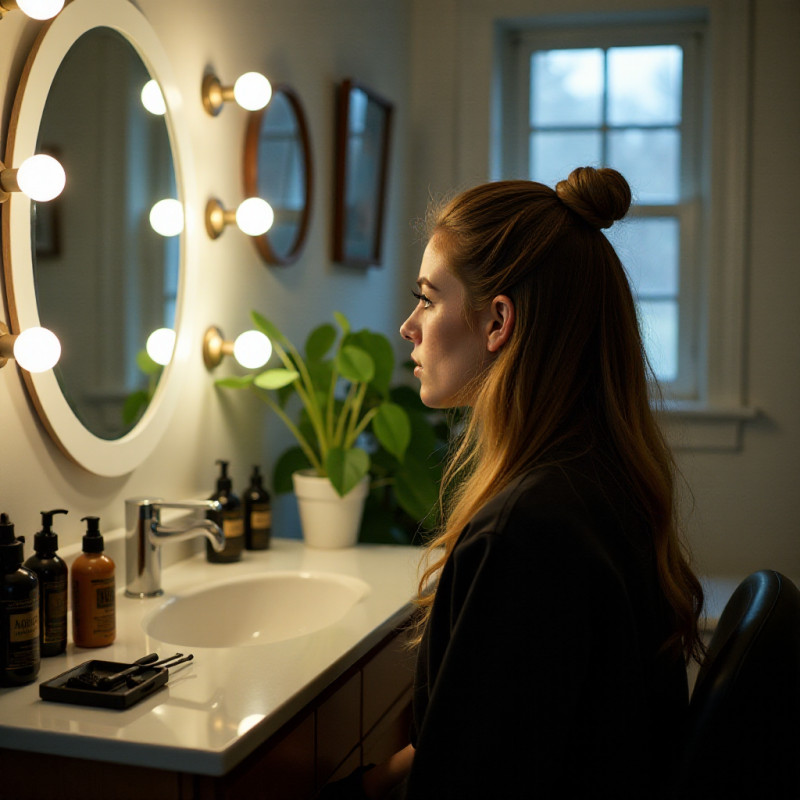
(650, 160)
(644, 85)
(554, 155)
(649, 249)
(566, 87)
(658, 320)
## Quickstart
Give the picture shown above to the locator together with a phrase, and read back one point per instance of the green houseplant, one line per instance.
(352, 424)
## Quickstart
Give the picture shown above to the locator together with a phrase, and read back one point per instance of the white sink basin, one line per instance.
(255, 609)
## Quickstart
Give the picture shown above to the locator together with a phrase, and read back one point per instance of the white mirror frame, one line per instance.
(100, 456)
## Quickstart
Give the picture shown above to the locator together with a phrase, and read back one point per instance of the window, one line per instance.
(629, 98)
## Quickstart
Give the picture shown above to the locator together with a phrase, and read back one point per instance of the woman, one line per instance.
(551, 658)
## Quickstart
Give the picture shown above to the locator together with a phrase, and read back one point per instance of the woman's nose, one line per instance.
(405, 330)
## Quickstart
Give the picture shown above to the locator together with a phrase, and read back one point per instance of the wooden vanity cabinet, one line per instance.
(362, 718)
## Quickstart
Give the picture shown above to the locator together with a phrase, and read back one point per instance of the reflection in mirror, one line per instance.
(277, 168)
(105, 278)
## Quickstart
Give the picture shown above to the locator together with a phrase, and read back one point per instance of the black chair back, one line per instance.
(743, 737)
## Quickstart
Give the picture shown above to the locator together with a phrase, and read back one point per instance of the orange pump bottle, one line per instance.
(94, 613)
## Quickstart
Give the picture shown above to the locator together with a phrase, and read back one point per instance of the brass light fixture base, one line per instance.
(217, 218)
(215, 347)
(6, 181)
(215, 94)
(6, 345)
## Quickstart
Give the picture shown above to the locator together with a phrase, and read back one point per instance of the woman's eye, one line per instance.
(426, 301)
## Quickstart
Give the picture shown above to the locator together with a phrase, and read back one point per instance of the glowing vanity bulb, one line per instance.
(37, 349)
(254, 216)
(41, 177)
(252, 91)
(252, 349)
(166, 217)
(153, 99)
(160, 345)
(40, 9)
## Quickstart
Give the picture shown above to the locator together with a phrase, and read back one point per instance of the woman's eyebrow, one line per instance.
(422, 282)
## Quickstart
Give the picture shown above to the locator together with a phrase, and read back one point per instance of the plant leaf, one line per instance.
(344, 323)
(320, 341)
(346, 468)
(268, 328)
(135, 404)
(380, 348)
(235, 382)
(146, 364)
(393, 429)
(416, 490)
(276, 378)
(354, 364)
(290, 461)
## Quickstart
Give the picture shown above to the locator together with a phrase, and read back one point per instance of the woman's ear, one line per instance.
(501, 323)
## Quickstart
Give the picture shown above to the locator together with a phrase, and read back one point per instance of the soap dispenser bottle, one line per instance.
(94, 612)
(19, 612)
(52, 574)
(257, 514)
(230, 520)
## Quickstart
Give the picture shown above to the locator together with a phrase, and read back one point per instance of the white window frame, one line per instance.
(710, 416)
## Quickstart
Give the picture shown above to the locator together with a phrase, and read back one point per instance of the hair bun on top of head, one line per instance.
(599, 196)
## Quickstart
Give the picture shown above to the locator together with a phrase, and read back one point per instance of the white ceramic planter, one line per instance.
(328, 520)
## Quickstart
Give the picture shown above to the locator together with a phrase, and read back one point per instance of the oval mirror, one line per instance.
(91, 265)
(277, 168)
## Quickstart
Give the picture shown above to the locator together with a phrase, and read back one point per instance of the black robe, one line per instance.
(540, 673)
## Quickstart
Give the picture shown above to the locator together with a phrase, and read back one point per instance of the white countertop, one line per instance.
(218, 708)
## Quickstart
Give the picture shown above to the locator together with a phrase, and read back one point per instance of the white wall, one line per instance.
(311, 45)
(433, 59)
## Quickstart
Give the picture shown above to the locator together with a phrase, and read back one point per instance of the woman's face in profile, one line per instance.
(448, 352)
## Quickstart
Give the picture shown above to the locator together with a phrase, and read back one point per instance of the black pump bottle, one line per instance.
(230, 519)
(257, 514)
(52, 574)
(19, 612)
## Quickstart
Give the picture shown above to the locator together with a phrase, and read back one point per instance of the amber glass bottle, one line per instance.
(94, 612)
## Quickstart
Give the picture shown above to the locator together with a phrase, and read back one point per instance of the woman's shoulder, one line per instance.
(568, 506)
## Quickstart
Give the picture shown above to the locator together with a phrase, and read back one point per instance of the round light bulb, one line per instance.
(252, 349)
(166, 217)
(153, 99)
(252, 91)
(40, 9)
(254, 216)
(160, 345)
(41, 177)
(37, 349)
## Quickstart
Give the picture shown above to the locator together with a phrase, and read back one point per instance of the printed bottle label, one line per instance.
(24, 626)
(233, 527)
(54, 610)
(105, 617)
(260, 519)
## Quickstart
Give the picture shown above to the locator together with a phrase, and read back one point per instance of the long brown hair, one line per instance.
(574, 366)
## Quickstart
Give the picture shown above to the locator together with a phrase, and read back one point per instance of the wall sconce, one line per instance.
(35, 349)
(254, 217)
(251, 349)
(35, 9)
(251, 91)
(40, 177)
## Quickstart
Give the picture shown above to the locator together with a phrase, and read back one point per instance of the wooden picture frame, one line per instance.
(363, 134)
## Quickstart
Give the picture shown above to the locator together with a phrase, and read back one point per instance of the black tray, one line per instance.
(123, 696)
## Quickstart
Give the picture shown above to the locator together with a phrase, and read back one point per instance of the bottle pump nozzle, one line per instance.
(11, 553)
(223, 482)
(92, 539)
(46, 539)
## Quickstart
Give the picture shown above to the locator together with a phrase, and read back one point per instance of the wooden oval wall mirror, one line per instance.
(277, 168)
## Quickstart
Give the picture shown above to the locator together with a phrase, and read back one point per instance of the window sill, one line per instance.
(698, 426)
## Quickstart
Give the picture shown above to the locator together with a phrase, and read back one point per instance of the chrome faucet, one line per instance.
(144, 535)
